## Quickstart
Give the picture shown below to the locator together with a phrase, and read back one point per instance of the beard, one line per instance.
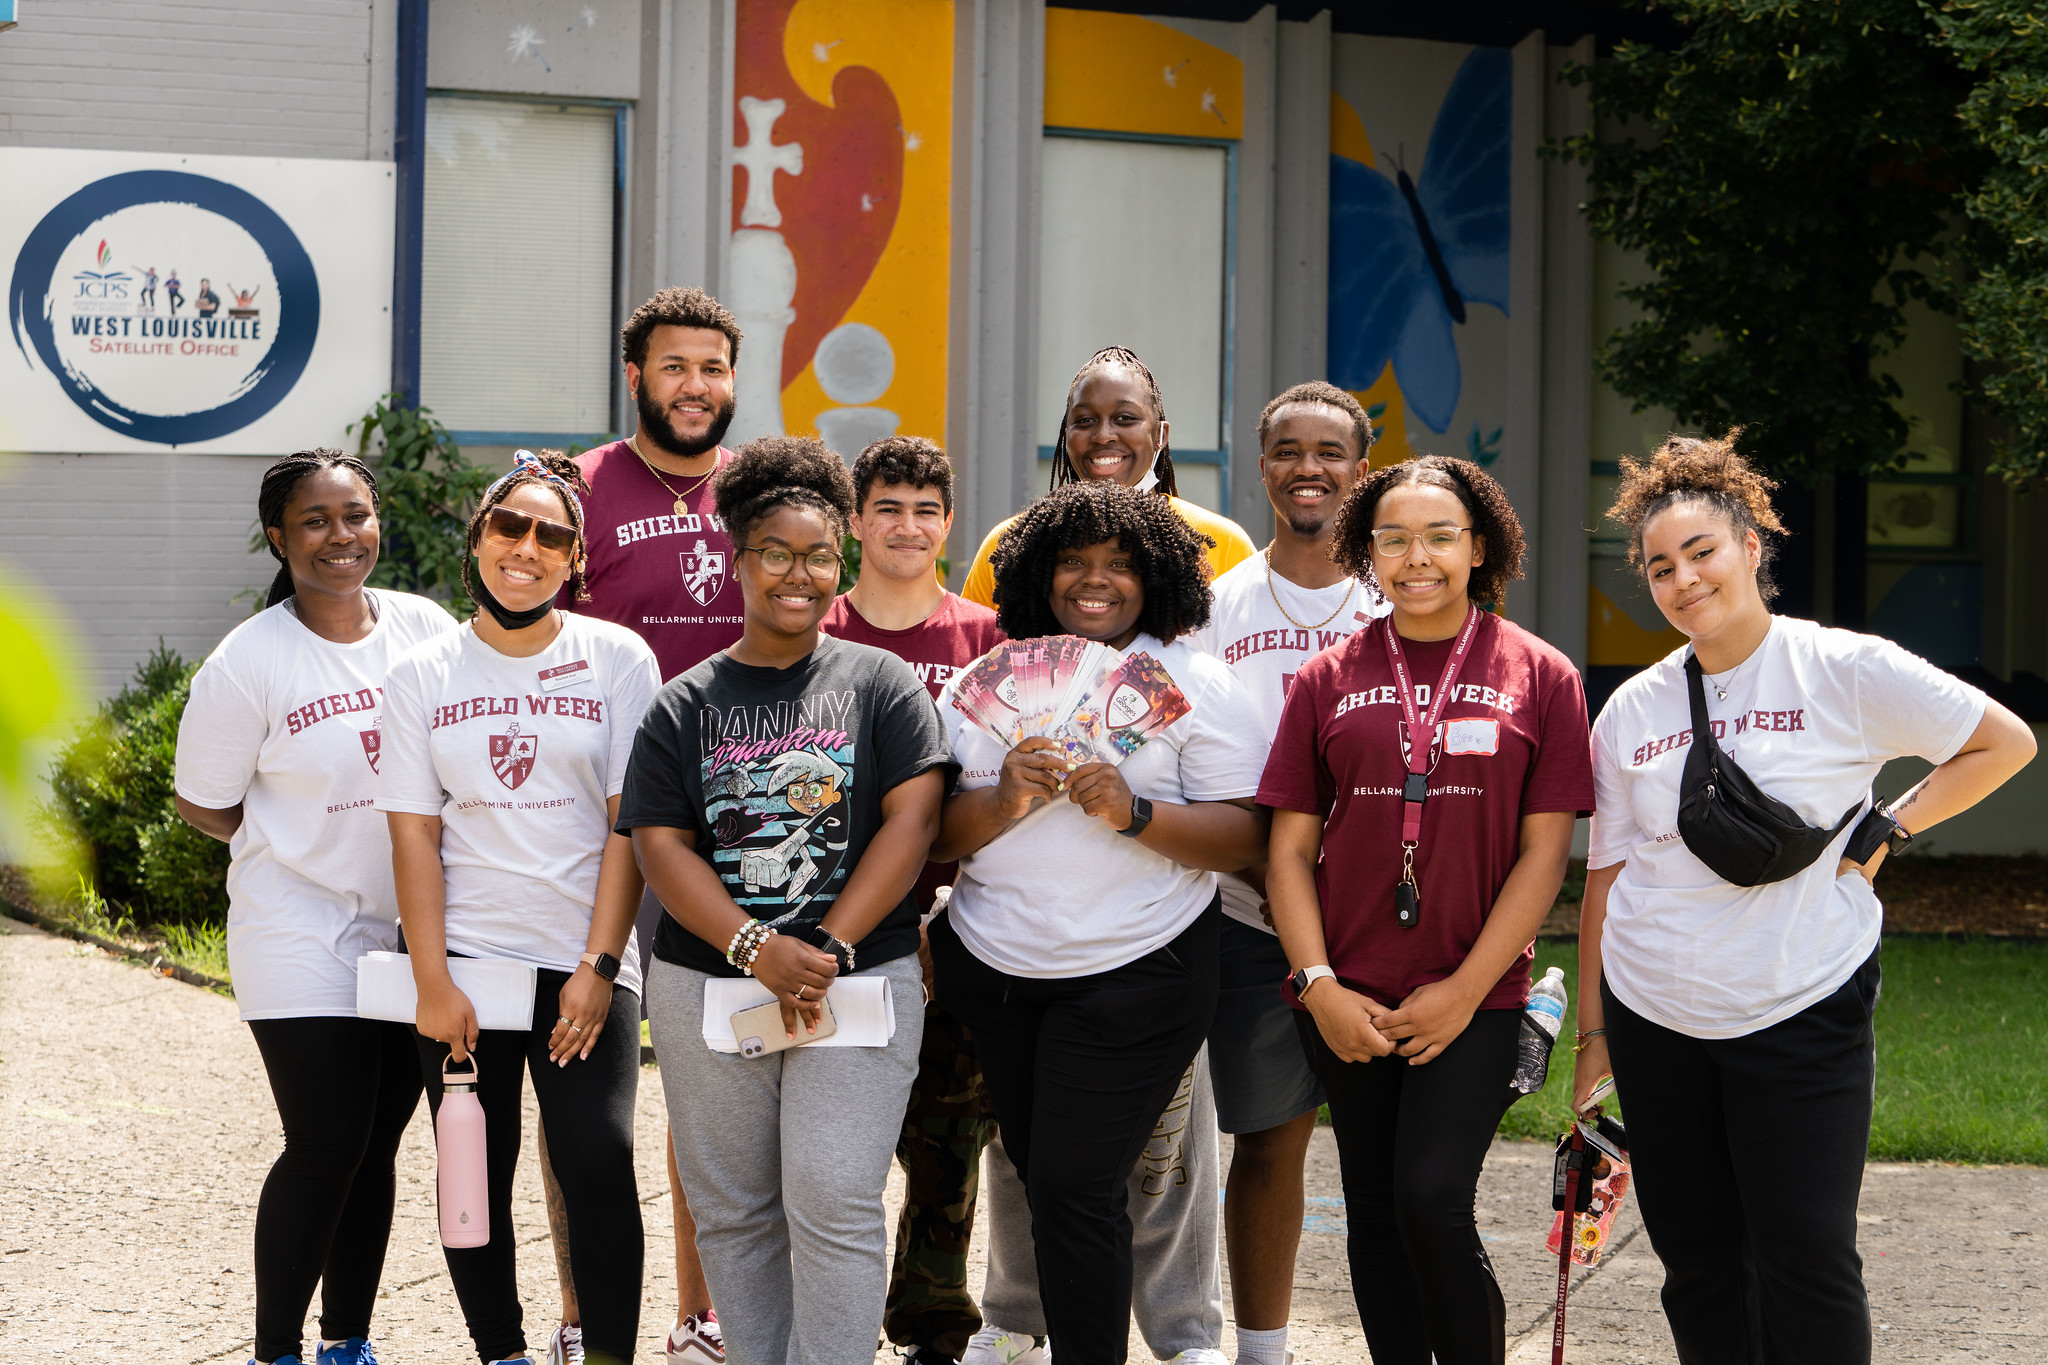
(655, 426)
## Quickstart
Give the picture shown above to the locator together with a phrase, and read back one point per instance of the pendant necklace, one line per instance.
(1303, 625)
(681, 510)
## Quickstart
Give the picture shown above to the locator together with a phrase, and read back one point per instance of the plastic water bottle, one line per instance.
(462, 1169)
(1542, 1021)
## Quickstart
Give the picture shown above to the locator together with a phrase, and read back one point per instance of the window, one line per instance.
(1133, 241)
(517, 329)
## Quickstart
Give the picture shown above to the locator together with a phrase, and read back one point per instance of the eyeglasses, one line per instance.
(1395, 543)
(551, 539)
(777, 560)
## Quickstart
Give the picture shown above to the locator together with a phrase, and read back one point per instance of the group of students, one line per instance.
(666, 752)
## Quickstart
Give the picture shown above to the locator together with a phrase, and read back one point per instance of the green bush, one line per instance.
(110, 790)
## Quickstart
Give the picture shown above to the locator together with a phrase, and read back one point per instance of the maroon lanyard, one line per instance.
(1421, 732)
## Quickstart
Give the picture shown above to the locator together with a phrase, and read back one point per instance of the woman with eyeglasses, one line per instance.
(783, 797)
(277, 757)
(505, 749)
(1424, 785)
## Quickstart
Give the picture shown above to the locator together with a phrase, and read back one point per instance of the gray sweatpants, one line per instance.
(785, 1158)
(1177, 1280)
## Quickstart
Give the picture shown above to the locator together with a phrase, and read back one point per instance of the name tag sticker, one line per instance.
(565, 675)
(1472, 737)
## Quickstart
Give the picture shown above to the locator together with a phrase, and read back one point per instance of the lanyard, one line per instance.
(1421, 732)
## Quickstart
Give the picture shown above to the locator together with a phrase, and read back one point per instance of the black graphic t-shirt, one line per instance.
(780, 774)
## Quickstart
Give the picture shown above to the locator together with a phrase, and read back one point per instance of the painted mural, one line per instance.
(1125, 73)
(1420, 225)
(840, 249)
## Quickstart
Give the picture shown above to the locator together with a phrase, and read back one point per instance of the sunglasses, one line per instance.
(551, 539)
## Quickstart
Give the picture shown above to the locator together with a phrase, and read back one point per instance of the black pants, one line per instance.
(1410, 1143)
(1080, 1068)
(1748, 1157)
(345, 1089)
(587, 1109)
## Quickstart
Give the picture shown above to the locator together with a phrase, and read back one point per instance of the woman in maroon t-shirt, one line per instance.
(1409, 924)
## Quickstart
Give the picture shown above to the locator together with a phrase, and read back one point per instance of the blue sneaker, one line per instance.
(354, 1351)
(281, 1360)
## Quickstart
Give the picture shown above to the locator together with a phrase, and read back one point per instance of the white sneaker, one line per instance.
(993, 1345)
(565, 1347)
(697, 1341)
(1200, 1355)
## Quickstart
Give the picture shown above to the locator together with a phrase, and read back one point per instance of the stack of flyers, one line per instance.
(1096, 704)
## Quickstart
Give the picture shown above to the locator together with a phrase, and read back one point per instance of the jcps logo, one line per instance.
(172, 363)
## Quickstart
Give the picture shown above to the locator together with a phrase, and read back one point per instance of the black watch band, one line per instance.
(823, 940)
(1141, 816)
(1878, 827)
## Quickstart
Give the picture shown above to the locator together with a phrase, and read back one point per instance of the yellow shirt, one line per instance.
(1232, 548)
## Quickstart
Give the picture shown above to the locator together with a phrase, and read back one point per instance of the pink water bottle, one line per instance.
(463, 1169)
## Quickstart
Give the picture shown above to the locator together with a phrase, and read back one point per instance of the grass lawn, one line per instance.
(1962, 1053)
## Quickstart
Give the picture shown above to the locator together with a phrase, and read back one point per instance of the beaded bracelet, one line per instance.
(753, 949)
(746, 943)
(1588, 1036)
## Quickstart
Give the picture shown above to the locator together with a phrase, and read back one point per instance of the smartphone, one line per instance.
(759, 1028)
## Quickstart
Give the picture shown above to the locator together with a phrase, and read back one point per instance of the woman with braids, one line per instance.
(783, 796)
(1080, 944)
(1731, 994)
(505, 748)
(1424, 785)
(1114, 429)
(277, 757)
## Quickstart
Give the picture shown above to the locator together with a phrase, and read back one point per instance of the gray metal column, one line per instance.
(682, 153)
(1565, 467)
(1252, 295)
(1301, 191)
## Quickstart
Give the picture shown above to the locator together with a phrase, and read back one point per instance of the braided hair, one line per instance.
(555, 463)
(1110, 358)
(1166, 553)
(1706, 470)
(782, 471)
(279, 482)
(1484, 500)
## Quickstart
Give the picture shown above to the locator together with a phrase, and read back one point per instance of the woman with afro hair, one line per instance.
(504, 750)
(1424, 785)
(783, 796)
(1731, 997)
(1080, 944)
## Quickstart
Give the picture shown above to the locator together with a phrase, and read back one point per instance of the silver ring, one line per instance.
(574, 1029)
(563, 1019)
(800, 991)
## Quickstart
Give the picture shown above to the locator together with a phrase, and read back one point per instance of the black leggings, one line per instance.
(1748, 1159)
(345, 1089)
(1079, 1069)
(587, 1109)
(1410, 1143)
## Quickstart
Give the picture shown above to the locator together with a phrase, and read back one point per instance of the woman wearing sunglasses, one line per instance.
(1424, 785)
(505, 748)
(783, 796)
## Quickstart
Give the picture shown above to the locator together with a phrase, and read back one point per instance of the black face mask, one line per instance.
(1743, 834)
(504, 616)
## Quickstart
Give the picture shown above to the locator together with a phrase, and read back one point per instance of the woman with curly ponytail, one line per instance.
(1728, 944)
(277, 755)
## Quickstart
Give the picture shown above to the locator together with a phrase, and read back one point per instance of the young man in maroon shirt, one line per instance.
(904, 489)
(660, 563)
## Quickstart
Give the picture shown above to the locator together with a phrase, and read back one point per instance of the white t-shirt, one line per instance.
(1265, 649)
(1059, 893)
(1811, 717)
(518, 757)
(286, 724)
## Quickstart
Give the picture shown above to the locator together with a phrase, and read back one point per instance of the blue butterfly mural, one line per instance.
(1408, 256)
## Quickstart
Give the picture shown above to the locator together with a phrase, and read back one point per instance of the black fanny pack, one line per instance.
(1744, 834)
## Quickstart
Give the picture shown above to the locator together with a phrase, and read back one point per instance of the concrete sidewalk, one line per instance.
(138, 1130)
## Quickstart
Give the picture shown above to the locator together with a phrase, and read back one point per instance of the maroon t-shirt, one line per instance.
(669, 579)
(1512, 742)
(936, 648)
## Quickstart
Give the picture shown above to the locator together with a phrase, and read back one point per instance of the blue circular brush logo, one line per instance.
(172, 308)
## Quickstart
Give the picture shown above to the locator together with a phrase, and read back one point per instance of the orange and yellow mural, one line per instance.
(1126, 74)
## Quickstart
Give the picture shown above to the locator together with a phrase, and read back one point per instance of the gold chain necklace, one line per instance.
(681, 510)
(1272, 592)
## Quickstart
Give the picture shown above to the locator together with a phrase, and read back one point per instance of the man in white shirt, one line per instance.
(1272, 613)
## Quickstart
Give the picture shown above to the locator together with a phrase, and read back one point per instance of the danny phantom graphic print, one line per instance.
(778, 784)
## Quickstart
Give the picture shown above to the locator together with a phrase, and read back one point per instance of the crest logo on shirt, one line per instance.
(1436, 743)
(703, 572)
(512, 756)
(373, 742)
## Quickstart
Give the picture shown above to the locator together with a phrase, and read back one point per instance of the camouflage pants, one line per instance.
(948, 1122)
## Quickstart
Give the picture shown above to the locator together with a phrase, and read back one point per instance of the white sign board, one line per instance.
(224, 304)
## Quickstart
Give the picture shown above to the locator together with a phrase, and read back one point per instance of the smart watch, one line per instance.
(1308, 976)
(604, 964)
(1141, 816)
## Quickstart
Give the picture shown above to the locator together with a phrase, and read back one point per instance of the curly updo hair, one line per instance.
(1167, 553)
(1706, 470)
(782, 471)
(557, 463)
(1493, 520)
(280, 481)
